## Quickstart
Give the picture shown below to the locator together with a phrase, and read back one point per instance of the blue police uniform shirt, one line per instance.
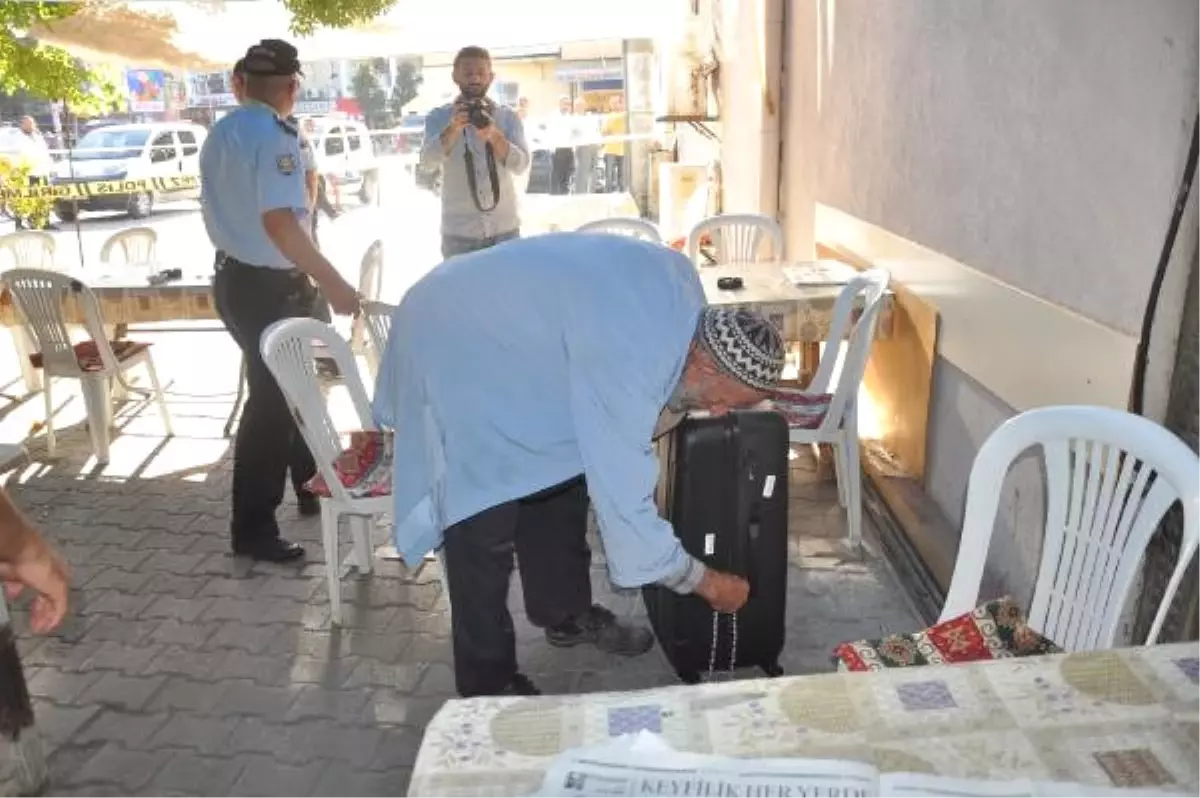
(251, 163)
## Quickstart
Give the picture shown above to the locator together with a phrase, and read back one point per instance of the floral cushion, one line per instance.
(802, 410)
(364, 468)
(993, 630)
(88, 354)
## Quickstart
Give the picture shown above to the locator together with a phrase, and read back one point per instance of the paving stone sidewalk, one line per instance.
(183, 671)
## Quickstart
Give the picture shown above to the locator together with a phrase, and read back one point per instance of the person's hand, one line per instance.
(39, 568)
(725, 592)
(492, 134)
(343, 299)
(459, 119)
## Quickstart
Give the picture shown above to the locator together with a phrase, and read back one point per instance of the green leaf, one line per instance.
(308, 15)
(44, 71)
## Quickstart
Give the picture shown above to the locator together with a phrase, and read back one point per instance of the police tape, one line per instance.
(102, 188)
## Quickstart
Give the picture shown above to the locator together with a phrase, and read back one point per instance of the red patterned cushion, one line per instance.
(364, 469)
(88, 354)
(802, 410)
(993, 630)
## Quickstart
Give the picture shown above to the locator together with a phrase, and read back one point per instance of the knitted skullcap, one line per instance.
(744, 344)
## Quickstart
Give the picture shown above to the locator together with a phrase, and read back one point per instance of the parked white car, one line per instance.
(345, 155)
(129, 153)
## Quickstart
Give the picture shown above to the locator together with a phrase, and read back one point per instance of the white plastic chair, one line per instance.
(377, 319)
(738, 238)
(288, 348)
(138, 246)
(621, 225)
(370, 286)
(1110, 478)
(838, 425)
(27, 249)
(39, 295)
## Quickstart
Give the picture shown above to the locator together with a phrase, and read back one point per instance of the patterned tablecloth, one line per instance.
(1124, 717)
(127, 298)
(802, 313)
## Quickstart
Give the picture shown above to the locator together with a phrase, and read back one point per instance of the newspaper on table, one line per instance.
(645, 765)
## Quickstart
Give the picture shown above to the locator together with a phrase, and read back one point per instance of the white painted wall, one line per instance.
(1009, 154)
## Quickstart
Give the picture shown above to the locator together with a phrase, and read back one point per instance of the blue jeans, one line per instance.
(460, 245)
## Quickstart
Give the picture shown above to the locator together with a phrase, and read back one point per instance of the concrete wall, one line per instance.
(1017, 162)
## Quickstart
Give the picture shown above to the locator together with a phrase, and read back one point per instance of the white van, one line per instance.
(157, 152)
(345, 154)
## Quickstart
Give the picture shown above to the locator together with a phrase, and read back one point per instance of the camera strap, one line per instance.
(473, 184)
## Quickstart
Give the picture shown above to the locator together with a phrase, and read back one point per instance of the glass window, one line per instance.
(162, 148)
(188, 139)
(355, 141)
(334, 143)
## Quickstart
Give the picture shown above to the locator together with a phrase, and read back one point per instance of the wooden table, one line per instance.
(1125, 718)
(125, 297)
(802, 313)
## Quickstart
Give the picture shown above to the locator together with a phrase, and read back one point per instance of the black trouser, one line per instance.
(250, 299)
(548, 532)
(614, 173)
(460, 245)
(562, 166)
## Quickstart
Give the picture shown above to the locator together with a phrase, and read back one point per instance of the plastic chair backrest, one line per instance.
(287, 348)
(27, 249)
(377, 317)
(620, 225)
(138, 246)
(872, 286)
(370, 275)
(738, 237)
(1111, 476)
(39, 295)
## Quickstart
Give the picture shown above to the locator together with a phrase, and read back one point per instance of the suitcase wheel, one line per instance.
(772, 669)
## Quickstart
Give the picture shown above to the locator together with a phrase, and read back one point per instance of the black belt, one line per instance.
(233, 264)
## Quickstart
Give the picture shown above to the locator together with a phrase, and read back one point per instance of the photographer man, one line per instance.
(480, 146)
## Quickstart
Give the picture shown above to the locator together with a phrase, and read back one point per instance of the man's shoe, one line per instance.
(277, 550)
(601, 628)
(521, 685)
(309, 503)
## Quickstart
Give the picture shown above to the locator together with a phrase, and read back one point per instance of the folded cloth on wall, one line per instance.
(993, 630)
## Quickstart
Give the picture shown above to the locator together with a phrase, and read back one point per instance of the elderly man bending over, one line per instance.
(523, 379)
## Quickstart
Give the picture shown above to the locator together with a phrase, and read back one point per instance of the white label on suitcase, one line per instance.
(710, 544)
(769, 486)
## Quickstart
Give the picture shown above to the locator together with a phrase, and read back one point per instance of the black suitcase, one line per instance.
(724, 486)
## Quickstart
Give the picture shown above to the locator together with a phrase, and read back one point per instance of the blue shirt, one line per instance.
(251, 163)
(515, 368)
(460, 216)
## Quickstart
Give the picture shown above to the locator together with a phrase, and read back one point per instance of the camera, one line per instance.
(479, 113)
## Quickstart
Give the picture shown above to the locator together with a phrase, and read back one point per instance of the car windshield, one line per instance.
(111, 143)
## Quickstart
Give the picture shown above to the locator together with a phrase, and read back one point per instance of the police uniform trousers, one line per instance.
(268, 446)
(547, 531)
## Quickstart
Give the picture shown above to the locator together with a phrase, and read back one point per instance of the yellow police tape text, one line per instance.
(100, 188)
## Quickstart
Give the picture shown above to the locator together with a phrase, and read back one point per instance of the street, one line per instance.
(406, 220)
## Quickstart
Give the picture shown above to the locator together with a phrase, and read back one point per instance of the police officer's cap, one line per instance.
(271, 57)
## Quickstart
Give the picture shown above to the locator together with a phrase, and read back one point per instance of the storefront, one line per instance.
(596, 80)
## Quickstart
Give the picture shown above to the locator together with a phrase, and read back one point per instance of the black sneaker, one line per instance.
(520, 685)
(601, 628)
(276, 550)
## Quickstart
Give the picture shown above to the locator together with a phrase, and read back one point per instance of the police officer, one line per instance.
(256, 214)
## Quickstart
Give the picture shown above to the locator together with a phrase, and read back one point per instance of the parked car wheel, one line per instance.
(141, 205)
(66, 212)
